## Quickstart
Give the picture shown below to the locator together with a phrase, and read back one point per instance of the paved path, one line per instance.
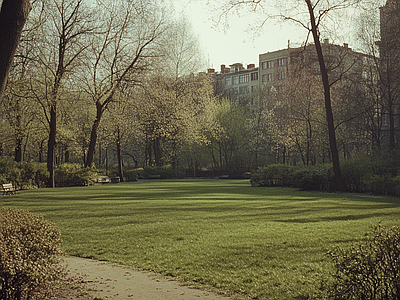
(108, 281)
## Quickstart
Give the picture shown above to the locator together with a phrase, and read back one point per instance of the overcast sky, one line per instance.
(236, 45)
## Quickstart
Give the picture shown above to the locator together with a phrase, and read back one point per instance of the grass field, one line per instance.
(265, 243)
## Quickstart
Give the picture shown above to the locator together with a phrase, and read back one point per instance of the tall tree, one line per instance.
(173, 111)
(119, 57)
(389, 48)
(317, 12)
(61, 43)
(13, 15)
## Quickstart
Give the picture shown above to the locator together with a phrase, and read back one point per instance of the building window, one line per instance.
(264, 65)
(268, 78)
(228, 81)
(235, 80)
(282, 62)
(254, 76)
(264, 78)
(244, 78)
(280, 88)
(281, 75)
(267, 64)
(254, 89)
(244, 90)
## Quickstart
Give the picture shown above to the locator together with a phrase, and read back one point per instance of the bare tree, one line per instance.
(13, 15)
(317, 12)
(389, 48)
(120, 55)
(183, 54)
(60, 45)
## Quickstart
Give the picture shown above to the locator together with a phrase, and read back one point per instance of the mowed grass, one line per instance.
(264, 243)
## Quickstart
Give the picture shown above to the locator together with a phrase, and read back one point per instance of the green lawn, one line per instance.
(266, 243)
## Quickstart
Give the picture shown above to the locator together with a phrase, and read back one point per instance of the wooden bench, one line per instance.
(9, 189)
(103, 179)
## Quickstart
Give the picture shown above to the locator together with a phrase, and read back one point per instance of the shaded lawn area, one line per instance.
(265, 243)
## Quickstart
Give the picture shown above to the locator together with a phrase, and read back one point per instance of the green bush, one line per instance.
(165, 172)
(354, 172)
(42, 175)
(315, 178)
(273, 175)
(64, 174)
(381, 185)
(23, 175)
(74, 175)
(131, 175)
(370, 270)
(85, 176)
(29, 255)
(34, 175)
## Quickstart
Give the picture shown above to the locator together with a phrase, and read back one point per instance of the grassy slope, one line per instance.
(267, 243)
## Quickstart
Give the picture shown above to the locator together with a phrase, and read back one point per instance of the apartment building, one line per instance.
(389, 47)
(238, 83)
(277, 69)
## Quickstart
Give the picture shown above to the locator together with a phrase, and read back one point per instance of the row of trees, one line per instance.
(80, 65)
(118, 75)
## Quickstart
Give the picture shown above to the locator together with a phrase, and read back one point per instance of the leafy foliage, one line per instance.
(273, 175)
(29, 255)
(74, 175)
(23, 175)
(165, 172)
(370, 270)
(316, 178)
(261, 243)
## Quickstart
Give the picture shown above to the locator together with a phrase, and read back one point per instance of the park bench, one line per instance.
(103, 179)
(154, 176)
(9, 189)
(224, 177)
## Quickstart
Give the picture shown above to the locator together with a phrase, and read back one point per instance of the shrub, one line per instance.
(381, 184)
(165, 172)
(33, 174)
(29, 255)
(23, 174)
(85, 176)
(131, 175)
(316, 178)
(64, 174)
(42, 175)
(370, 270)
(273, 175)
(354, 171)
(74, 175)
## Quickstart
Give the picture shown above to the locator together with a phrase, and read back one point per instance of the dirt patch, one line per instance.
(90, 279)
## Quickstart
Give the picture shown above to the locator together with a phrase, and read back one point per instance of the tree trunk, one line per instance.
(13, 16)
(66, 156)
(328, 106)
(18, 150)
(93, 135)
(51, 146)
(119, 156)
(157, 151)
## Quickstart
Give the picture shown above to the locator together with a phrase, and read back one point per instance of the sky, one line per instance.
(236, 44)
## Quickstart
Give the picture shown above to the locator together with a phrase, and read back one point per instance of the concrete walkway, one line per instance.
(107, 281)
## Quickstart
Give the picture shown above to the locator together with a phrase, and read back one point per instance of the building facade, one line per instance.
(278, 68)
(237, 83)
(389, 48)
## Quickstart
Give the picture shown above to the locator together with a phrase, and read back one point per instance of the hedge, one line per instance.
(29, 255)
